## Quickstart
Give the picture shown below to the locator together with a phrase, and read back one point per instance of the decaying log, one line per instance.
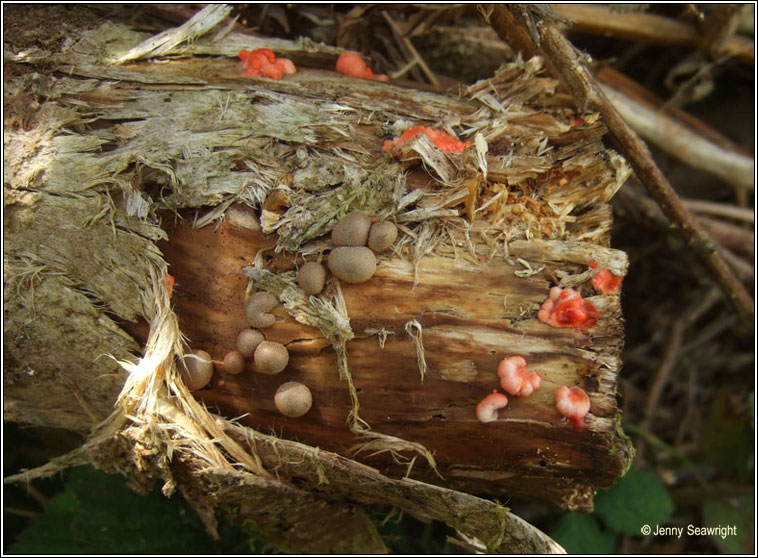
(119, 175)
(470, 316)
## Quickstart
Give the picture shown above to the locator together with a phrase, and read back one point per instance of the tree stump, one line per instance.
(125, 177)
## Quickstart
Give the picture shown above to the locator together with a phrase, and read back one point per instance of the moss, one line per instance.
(623, 446)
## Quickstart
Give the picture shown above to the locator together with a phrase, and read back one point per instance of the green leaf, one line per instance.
(98, 514)
(729, 524)
(51, 532)
(751, 401)
(726, 438)
(636, 500)
(579, 533)
(410, 536)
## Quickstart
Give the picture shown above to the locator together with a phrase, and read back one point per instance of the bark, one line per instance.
(117, 175)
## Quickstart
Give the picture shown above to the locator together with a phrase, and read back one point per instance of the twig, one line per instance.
(612, 77)
(720, 209)
(719, 29)
(671, 355)
(682, 143)
(725, 239)
(587, 95)
(698, 85)
(743, 268)
(20, 512)
(669, 358)
(651, 28)
(728, 235)
(656, 442)
(408, 45)
(662, 373)
(691, 410)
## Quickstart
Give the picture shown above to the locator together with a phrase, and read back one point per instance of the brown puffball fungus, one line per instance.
(258, 308)
(353, 264)
(247, 341)
(271, 357)
(311, 277)
(196, 369)
(352, 230)
(293, 399)
(234, 363)
(382, 235)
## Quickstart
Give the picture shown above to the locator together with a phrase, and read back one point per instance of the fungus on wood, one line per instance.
(261, 175)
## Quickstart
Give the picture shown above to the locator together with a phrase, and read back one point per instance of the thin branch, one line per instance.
(720, 209)
(671, 356)
(412, 52)
(663, 372)
(682, 143)
(651, 28)
(588, 95)
(656, 442)
(607, 76)
(720, 27)
(731, 236)
(743, 268)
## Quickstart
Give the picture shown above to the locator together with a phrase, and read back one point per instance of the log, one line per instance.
(122, 177)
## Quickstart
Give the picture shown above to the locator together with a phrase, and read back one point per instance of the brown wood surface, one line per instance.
(472, 317)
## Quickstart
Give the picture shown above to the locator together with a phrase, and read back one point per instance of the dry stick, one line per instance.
(670, 358)
(742, 242)
(721, 209)
(587, 93)
(165, 42)
(743, 268)
(662, 373)
(606, 75)
(731, 236)
(680, 142)
(720, 27)
(650, 28)
(700, 74)
(408, 45)
(712, 151)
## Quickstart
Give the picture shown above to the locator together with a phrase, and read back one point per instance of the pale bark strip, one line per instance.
(167, 41)
(652, 28)
(680, 142)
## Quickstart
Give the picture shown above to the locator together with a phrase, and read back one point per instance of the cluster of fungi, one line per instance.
(444, 141)
(351, 64)
(262, 62)
(292, 399)
(516, 379)
(562, 308)
(356, 239)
